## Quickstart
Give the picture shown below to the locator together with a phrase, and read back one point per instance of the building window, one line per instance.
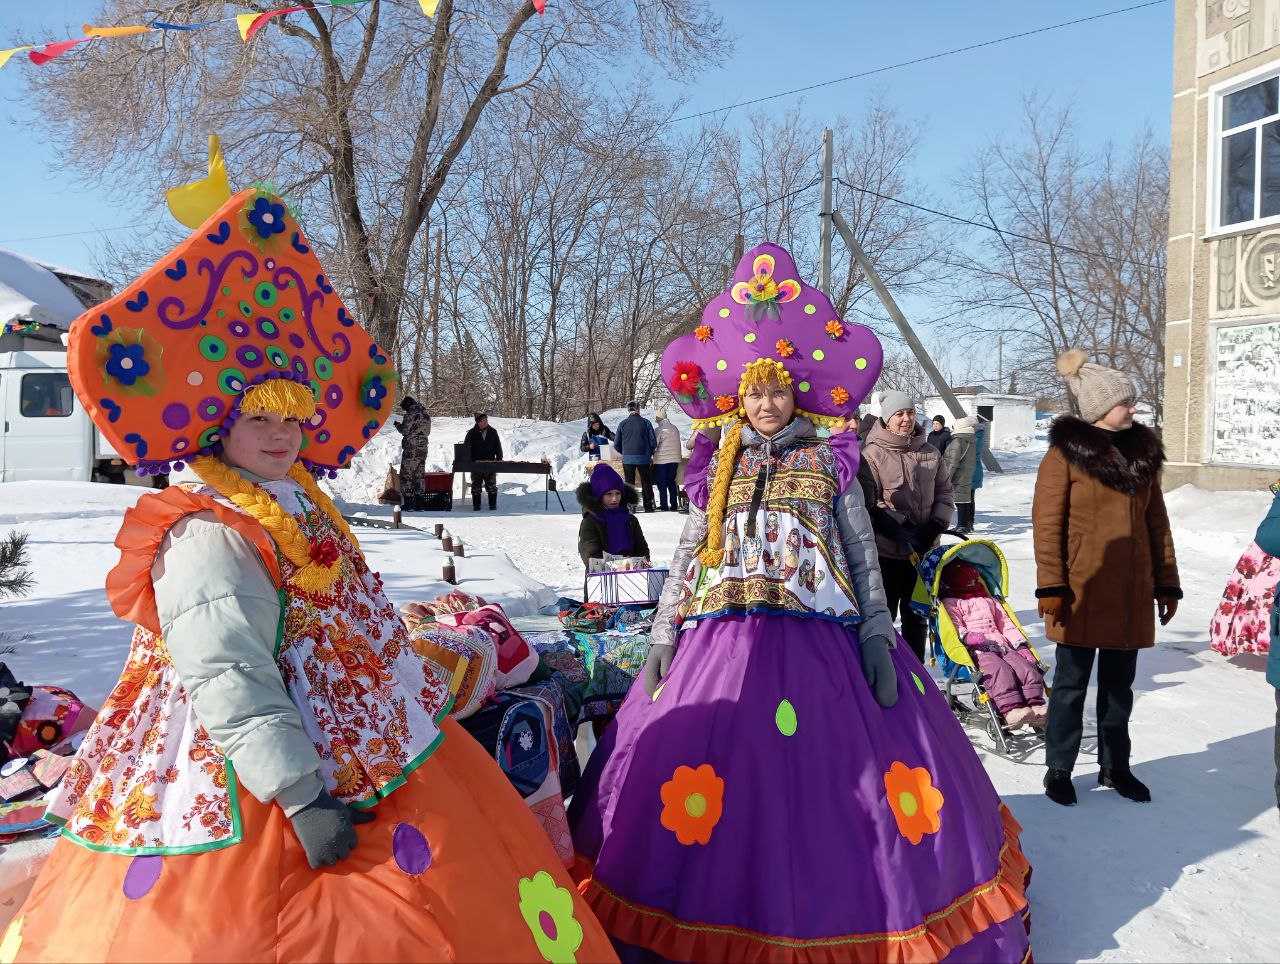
(46, 395)
(1248, 153)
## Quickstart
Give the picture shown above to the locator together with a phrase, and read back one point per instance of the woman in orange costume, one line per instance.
(274, 776)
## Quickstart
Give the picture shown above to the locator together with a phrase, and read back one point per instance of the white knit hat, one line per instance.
(1096, 388)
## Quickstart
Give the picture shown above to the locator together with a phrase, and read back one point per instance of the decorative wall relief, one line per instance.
(1232, 30)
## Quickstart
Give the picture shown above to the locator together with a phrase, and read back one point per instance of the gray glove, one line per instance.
(325, 828)
(656, 666)
(877, 666)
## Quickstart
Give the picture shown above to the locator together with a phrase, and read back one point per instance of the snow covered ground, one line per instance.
(1193, 876)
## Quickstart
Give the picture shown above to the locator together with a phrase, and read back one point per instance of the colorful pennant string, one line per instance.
(248, 25)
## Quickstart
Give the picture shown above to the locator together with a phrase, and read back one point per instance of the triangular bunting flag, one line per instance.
(6, 54)
(92, 31)
(251, 23)
(540, 6)
(192, 203)
(429, 7)
(50, 52)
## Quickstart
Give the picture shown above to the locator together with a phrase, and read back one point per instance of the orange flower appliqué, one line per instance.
(692, 802)
(914, 800)
(839, 395)
(726, 403)
(703, 332)
(835, 329)
(784, 347)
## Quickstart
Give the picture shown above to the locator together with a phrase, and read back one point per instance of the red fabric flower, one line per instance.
(685, 379)
(325, 552)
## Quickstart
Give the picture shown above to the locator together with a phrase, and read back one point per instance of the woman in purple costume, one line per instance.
(787, 784)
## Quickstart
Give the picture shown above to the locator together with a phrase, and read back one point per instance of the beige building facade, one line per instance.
(1222, 363)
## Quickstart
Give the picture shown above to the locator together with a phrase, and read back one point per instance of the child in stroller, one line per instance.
(1007, 664)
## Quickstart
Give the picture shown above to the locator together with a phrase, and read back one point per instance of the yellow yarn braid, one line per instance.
(321, 498)
(282, 527)
(712, 554)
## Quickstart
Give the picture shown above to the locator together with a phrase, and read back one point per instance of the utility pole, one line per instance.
(437, 271)
(1000, 362)
(824, 263)
(904, 327)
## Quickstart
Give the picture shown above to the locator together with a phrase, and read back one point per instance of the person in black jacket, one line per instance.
(483, 445)
(595, 437)
(940, 435)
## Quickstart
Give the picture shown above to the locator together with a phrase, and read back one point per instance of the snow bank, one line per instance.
(30, 291)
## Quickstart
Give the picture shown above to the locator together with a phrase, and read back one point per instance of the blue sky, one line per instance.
(1116, 72)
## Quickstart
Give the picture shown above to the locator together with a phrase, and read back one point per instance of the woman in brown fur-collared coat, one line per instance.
(1104, 563)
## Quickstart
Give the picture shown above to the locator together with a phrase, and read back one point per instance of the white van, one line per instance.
(47, 433)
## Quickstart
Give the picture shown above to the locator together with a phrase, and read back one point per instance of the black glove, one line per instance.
(929, 533)
(325, 828)
(877, 666)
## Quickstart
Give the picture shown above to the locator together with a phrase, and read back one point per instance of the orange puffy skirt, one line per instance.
(455, 867)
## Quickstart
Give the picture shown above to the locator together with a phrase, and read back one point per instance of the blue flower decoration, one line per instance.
(267, 217)
(127, 363)
(374, 392)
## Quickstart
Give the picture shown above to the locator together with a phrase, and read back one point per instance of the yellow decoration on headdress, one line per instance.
(193, 204)
(763, 371)
(280, 396)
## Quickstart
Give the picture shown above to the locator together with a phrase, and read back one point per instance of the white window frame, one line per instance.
(1213, 202)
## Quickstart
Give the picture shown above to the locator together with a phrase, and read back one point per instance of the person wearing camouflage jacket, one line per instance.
(415, 429)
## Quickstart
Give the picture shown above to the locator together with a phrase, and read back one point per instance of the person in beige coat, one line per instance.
(905, 485)
(1104, 564)
(666, 462)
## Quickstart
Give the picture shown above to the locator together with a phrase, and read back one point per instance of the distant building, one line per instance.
(38, 302)
(1011, 416)
(1222, 346)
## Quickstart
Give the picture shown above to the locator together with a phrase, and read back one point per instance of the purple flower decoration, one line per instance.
(374, 392)
(127, 363)
(267, 217)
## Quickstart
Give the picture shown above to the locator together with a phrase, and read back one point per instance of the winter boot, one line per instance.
(1125, 784)
(1058, 788)
(475, 500)
(493, 501)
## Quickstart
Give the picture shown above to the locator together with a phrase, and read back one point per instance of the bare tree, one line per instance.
(360, 113)
(1079, 257)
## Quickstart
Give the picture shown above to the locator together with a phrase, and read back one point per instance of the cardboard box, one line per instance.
(625, 588)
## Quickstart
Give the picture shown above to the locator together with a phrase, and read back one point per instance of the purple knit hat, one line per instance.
(777, 324)
(605, 478)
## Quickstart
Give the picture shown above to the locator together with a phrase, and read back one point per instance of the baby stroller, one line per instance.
(963, 687)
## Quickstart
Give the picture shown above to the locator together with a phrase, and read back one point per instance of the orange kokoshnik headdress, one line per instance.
(238, 319)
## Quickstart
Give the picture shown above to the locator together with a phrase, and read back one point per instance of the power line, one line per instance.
(916, 60)
(997, 229)
(73, 234)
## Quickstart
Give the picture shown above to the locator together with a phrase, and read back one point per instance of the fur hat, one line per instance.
(661, 413)
(1095, 388)
(966, 425)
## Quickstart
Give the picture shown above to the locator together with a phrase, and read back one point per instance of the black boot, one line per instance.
(475, 501)
(493, 501)
(1058, 788)
(1125, 784)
